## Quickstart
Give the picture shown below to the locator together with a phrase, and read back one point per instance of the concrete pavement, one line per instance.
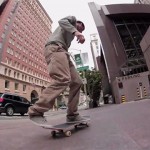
(113, 127)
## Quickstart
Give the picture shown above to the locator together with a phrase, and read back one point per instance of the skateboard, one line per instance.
(66, 128)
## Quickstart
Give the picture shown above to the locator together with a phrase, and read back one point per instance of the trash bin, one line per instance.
(106, 99)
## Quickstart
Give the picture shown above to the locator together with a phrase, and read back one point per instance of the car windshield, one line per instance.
(25, 100)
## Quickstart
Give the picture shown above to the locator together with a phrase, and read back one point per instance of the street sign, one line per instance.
(78, 59)
(83, 68)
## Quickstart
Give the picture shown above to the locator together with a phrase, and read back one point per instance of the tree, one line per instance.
(93, 85)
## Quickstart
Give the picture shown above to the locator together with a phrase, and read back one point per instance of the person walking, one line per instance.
(61, 70)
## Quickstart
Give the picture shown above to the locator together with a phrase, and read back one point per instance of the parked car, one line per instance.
(11, 103)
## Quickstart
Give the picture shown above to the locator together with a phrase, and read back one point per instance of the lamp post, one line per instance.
(84, 78)
(94, 48)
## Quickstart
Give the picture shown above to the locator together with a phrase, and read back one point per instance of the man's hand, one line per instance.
(80, 37)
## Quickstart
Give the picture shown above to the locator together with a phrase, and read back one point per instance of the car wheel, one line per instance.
(22, 114)
(9, 111)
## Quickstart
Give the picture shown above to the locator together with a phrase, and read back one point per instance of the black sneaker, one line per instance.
(75, 119)
(38, 119)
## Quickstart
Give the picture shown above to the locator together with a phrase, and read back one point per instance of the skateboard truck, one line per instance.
(67, 132)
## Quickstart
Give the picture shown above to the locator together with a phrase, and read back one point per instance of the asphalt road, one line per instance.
(113, 127)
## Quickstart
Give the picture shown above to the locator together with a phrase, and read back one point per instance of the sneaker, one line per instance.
(38, 119)
(75, 119)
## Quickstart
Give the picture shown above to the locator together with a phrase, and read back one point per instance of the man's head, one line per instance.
(80, 26)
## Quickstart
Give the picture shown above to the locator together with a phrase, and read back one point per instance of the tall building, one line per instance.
(121, 28)
(94, 43)
(24, 28)
(142, 1)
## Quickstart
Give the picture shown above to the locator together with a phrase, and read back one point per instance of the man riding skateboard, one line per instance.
(61, 70)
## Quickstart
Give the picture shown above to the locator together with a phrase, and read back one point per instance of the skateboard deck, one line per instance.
(65, 128)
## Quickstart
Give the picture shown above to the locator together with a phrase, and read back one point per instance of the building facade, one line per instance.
(24, 29)
(142, 1)
(121, 28)
(94, 43)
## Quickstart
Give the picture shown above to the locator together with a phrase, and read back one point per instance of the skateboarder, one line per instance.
(61, 70)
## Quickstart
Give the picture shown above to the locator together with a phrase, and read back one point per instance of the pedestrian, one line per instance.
(61, 70)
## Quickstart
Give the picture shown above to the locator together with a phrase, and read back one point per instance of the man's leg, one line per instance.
(59, 71)
(74, 93)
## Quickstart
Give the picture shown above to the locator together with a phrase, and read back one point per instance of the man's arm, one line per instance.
(68, 24)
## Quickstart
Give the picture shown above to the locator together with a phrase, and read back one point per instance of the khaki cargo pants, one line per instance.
(62, 74)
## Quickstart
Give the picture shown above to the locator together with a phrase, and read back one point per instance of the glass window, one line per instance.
(16, 86)
(5, 71)
(18, 75)
(131, 32)
(125, 37)
(7, 84)
(136, 36)
(25, 100)
(142, 28)
(17, 98)
(9, 73)
(6, 27)
(3, 35)
(128, 21)
(24, 87)
(14, 74)
(8, 96)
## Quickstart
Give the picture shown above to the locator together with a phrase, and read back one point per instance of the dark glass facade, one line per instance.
(121, 28)
(142, 1)
(131, 32)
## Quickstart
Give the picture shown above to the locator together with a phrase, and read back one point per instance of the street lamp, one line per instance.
(94, 48)
(84, 78)
(72, 55)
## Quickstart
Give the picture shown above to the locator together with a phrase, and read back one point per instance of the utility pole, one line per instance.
(84, 78)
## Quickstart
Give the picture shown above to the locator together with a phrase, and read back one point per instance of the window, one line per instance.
(3, 35)
(16, 86)
(22, 77)
(5, 71)
(24, 88)
(9, 73)
(6, 27)
(18, 75)
(14, 74)
(25, 100)
(8, 96)
(10, 51)
(7, 84)
(131, 32)
(17, 98)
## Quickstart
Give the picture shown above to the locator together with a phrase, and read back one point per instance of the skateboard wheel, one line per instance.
(53, 133)
(68, 133)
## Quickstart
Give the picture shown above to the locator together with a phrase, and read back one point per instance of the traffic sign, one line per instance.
(78, 59)
(83, 68)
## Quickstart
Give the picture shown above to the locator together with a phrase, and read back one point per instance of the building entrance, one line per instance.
(34, 96)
